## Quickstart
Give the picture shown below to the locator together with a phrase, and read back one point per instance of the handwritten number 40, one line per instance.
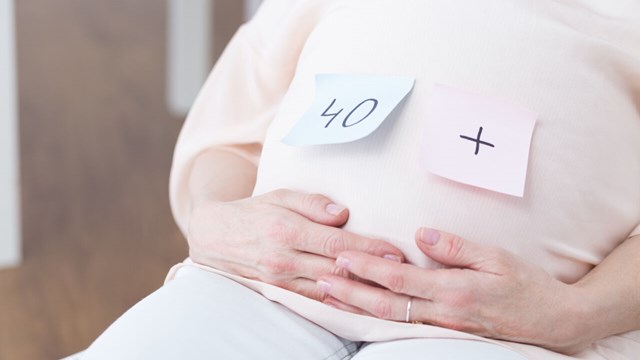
(373, 103)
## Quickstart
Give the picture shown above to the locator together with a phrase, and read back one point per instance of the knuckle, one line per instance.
(396, 282)
(454, 246)
(338, 271)
(313, 201)
(333, 244)
(317, 295)
(382, 308)
(276, 267)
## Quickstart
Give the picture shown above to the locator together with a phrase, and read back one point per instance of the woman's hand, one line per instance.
(488, 291)
(284, 238)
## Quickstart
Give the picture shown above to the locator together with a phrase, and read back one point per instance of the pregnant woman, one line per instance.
(385, 244)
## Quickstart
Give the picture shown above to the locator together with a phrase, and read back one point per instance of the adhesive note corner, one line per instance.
(477, 140)
(347, 108)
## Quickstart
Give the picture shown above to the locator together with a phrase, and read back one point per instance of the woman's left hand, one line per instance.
(486, 291)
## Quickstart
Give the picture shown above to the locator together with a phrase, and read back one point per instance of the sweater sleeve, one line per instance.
(243, 91)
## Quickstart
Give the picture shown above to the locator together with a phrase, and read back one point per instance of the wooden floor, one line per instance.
(96, 145)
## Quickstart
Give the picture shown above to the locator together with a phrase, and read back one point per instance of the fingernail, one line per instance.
(324, 286)
(430, 236)
(343, 262)
(392, 257)
(334, 209)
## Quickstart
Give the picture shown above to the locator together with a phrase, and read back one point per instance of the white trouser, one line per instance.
(201, 315)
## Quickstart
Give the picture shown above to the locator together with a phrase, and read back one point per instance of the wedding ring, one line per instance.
(408, 315)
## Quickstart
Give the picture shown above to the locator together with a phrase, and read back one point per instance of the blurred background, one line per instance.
(103, 86)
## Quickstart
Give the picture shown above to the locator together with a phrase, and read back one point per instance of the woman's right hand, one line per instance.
(284, 238)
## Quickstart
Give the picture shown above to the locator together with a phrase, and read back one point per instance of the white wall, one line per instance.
(189, 51)
(10, 247)
(190, 48)
(250, 7)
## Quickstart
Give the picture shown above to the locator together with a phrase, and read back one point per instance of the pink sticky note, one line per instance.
(478, 140)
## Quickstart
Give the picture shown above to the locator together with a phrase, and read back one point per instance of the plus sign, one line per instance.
(477, 140)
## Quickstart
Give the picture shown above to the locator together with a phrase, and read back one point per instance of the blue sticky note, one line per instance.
(347, 108)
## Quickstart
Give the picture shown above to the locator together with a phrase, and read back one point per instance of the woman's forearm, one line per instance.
(614, 290)
(220, 174)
